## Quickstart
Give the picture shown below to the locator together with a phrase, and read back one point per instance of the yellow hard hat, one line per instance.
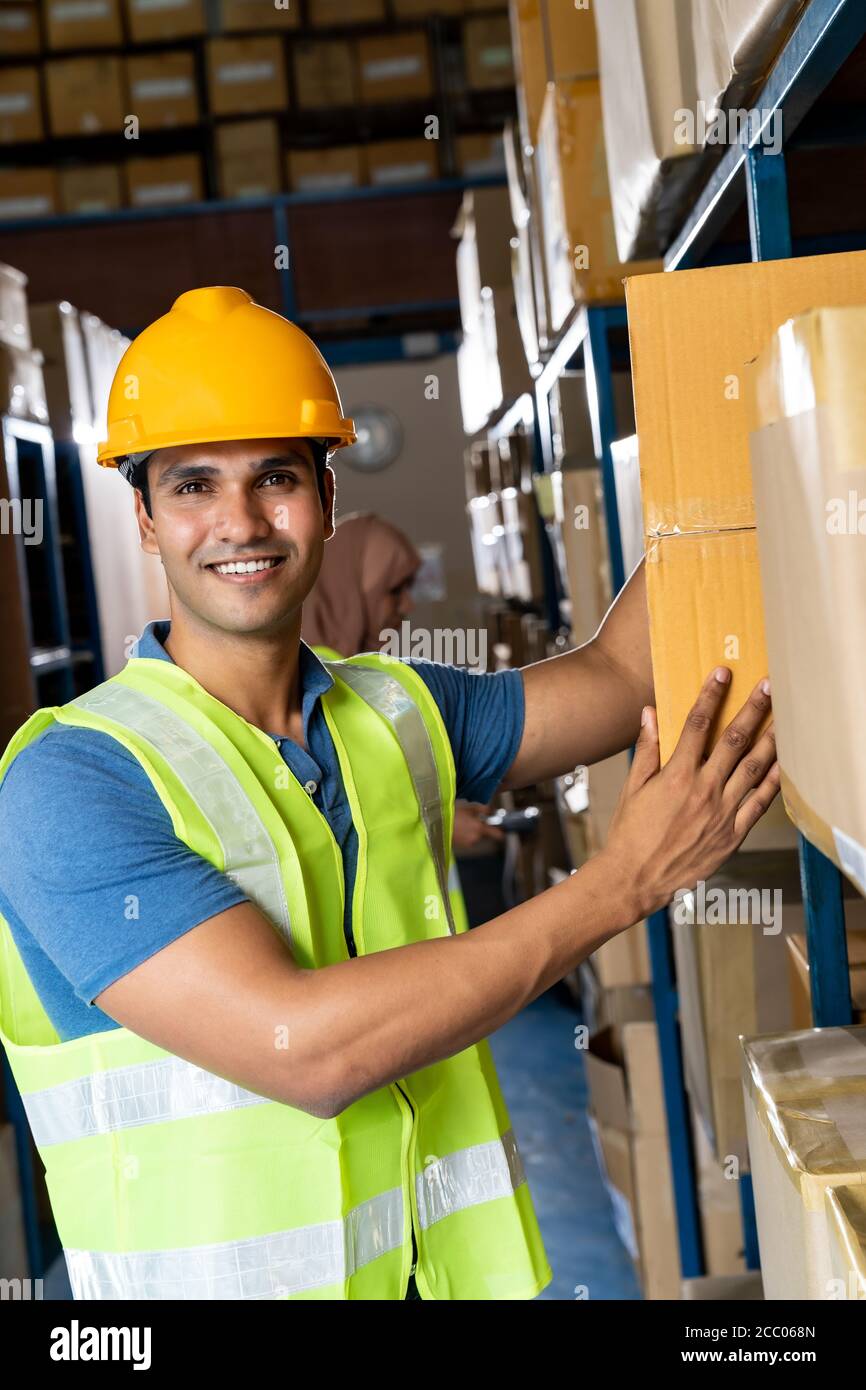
(218, 366)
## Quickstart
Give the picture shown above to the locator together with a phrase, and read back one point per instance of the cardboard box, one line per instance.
(579, 249)
(249, 161)
(325, 74)
(91, 188)
(241, 15)
(57, 335)
(401, 161)
(22, 385)
(20, 104)
(19, 29)
(699, 507)
(731, 972)
(625, 457)
(171, 178)
(164, 19)
(325, 12)
(487, 53)
(530, 64)
(480, 156)
(624, 960)
(736, 43)
(394, 67)
(14, 315)
(655, 156)
(579, 510)
(729, 1288)
(805, 1098)
(798, 961)
(162, 89)
(14, 1263)
(420, 9)
(720, 1207)
(808, 416)
(27, 193)
(246, 75)
(85, 95)
(82, 23)
(572, 49)
(573, 442)
(629, 1125)
(845, 1214)
(522, 545)
(326, 171)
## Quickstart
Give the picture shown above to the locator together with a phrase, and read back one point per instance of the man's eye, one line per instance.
(280, 477)
(194, 482)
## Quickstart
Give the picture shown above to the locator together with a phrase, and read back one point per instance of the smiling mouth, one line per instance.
(246, 569)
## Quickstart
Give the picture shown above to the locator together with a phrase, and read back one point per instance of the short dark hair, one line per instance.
(320, 456)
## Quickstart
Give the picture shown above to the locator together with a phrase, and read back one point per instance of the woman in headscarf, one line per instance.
(363, 589)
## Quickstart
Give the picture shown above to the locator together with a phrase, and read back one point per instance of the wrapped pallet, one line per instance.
(736, 43)
(809, 424)
(805, 1098)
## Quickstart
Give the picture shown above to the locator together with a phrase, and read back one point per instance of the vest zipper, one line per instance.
(411, 1180)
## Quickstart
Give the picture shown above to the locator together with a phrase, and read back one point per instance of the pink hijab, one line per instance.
(364, 559)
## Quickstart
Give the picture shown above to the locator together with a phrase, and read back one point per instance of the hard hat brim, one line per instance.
(109, 455)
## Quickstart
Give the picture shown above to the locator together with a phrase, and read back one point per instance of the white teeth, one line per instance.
(245, 566)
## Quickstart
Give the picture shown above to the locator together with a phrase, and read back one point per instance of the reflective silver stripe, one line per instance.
(146, 1093)
(468, 1177)
(249, 853)
(387, 696)
(272, 1266)
(454, 878)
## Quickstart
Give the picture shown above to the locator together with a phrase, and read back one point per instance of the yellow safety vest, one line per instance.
(169, 1182)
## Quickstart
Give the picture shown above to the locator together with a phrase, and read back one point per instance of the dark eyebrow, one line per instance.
(186, 472)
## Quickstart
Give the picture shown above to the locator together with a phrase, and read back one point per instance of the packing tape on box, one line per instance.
(808, 1091)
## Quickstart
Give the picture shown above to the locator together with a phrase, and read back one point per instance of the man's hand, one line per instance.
(678, 825)
(470, 827)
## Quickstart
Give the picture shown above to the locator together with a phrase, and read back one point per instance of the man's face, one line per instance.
(232, 504)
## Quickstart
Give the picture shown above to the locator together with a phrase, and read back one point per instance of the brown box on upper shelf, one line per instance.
(172, 178)
(164, 19)
(402, 161)
(239, 15)
(91, 188)
(487, 52)
(420, 9)
(394, 67)
(325, 73)
(19, 29)
(480, 156)
(246, 75)
(325, 12)
(20, 104)
(162, 89)
(27, 193)
(85, 95)
(82, 23)
(249, 159)
(325, 171)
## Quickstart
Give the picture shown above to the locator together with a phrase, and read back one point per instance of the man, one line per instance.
(251, 1047)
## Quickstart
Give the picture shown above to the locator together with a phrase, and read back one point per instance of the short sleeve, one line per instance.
(483, 713)
(90, 865)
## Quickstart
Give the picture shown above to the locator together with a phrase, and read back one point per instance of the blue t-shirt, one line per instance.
(93, 879)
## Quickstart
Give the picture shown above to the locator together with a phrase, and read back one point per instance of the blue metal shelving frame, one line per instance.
(826, 35)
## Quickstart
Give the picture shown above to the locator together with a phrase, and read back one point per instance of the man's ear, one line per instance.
(146, 532)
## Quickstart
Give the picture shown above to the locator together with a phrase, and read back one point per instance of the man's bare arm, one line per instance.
(585, 705)
(229, 997)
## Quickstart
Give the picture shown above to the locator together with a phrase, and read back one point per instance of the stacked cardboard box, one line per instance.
(69, 24)
(159, 181)
(246, 75)
(395, 67)
(244, 15)
(580, 254)
(325, 12)
(20, 104)
(805, 1099)
(249, 159)
(19, 28)
(28, 193)
(85, 95)
(57, 333)
(317, 171)
(487, 52)
(90, 188)
(807, 415)
(325, 74)
(799, 973)
(162, 89)
(692, 335)
(629, 1127)
(401, 161)
(169, 19)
